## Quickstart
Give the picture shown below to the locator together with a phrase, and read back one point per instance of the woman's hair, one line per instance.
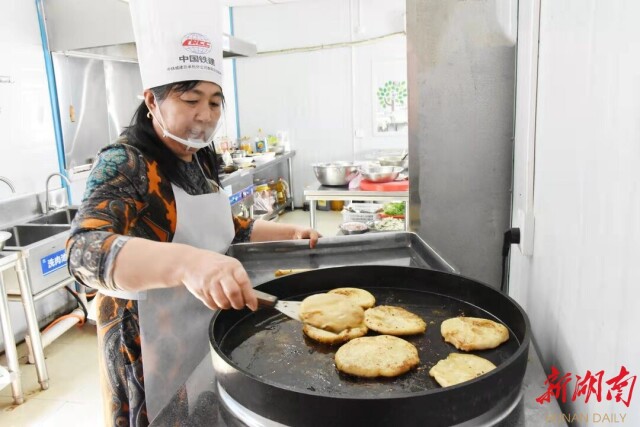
(141, 134)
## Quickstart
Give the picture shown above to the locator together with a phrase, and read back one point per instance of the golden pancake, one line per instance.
(326, 337)
(473, 333)
(379, 356)
(458, 368)
(390, 320)
(331, 312)
(361, 297)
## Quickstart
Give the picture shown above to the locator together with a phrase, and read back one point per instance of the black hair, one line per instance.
(141, 134)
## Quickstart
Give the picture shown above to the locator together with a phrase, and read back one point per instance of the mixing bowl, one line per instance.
(380, 173)
(335, 173)
(393, 161)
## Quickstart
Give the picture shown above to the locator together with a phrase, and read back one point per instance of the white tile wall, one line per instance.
(321, 97)
(580, 287)
(27, 143)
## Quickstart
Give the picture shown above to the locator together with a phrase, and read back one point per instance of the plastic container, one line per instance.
(322, 205)
(361, 212)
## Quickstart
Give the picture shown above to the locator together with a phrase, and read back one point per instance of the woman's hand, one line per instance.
(264, 231)
(307, 233)
(217, 280)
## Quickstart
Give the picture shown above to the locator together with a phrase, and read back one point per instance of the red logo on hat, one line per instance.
(196, 43)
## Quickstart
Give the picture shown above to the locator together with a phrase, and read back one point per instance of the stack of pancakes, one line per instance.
(339, 316)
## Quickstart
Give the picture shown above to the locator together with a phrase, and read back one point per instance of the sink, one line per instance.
(42, 247)
(64, 216)
(26, 235)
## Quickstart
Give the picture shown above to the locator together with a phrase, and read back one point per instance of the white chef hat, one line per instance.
(177, 40)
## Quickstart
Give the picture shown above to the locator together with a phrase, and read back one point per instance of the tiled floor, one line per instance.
(73, 397)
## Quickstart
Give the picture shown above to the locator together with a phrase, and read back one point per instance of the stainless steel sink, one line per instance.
(43, 249)
(64, 216)
(24, 236)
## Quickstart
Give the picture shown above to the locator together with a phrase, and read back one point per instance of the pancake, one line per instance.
(331, 312)
(390, 320)
(473, 333)
(458, 368)
(361, 297)
(330, 338)
(379, 356)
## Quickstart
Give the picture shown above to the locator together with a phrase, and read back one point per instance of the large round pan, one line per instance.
(265, 363)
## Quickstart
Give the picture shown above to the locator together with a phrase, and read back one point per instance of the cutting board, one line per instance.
(384, 186)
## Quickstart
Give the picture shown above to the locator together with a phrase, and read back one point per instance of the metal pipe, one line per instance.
(55, 332)
(46, 202)
(289, 160)
(10, 346)
(53, 90)
(9, 183)
(32, 323)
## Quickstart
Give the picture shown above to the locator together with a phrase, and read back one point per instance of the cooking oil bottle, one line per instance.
(280, 192)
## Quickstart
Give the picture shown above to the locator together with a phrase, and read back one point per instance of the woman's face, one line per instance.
(191, 114)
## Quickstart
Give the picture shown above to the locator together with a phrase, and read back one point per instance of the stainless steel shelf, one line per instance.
(314, 193)
(235, 177)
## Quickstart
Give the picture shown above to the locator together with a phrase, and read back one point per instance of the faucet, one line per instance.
(9, 183)
(46, 202)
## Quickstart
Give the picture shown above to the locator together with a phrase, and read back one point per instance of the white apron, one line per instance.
(173, 323)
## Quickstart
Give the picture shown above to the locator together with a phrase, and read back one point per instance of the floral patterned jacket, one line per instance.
(128, 196)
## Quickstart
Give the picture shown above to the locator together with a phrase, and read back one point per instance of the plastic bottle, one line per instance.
(261, 142)
(287, 192)
(337, 205)
(280, 192)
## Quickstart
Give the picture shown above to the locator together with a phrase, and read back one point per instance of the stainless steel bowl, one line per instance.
(380, 173)
(393, 161)
(336, 173)
(4, 236)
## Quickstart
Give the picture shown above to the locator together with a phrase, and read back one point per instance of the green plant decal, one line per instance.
(392, 94)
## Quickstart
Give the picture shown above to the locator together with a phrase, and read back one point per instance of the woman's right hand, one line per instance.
(219, 281)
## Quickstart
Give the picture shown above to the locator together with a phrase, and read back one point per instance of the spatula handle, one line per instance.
(265, 300)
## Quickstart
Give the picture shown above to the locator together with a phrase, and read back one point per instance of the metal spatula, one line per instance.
(288, 308)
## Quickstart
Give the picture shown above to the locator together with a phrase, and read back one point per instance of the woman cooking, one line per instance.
(154, 217)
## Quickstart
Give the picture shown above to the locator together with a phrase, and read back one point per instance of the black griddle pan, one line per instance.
(264, 361)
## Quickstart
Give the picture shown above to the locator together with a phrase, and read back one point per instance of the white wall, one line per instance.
(27, 142)
(580, 287)
(323, 97)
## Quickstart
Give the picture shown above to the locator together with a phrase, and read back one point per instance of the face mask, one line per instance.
(190, 142)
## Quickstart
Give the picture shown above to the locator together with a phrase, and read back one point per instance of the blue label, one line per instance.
(53, 262)
(241, 195)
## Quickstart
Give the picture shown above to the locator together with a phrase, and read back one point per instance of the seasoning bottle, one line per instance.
(337, 205)
(282, 191)
(261, 142)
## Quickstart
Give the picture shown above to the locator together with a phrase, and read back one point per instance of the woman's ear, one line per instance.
(149, 99)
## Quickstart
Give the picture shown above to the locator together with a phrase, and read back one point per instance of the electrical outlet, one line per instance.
(526, 223)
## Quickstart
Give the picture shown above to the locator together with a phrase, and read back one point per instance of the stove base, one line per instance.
(251, 419)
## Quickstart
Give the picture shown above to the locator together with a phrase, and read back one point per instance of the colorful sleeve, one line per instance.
(115, 195)
(243, 227)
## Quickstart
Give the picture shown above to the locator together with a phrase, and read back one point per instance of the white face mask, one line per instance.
(190, 142)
